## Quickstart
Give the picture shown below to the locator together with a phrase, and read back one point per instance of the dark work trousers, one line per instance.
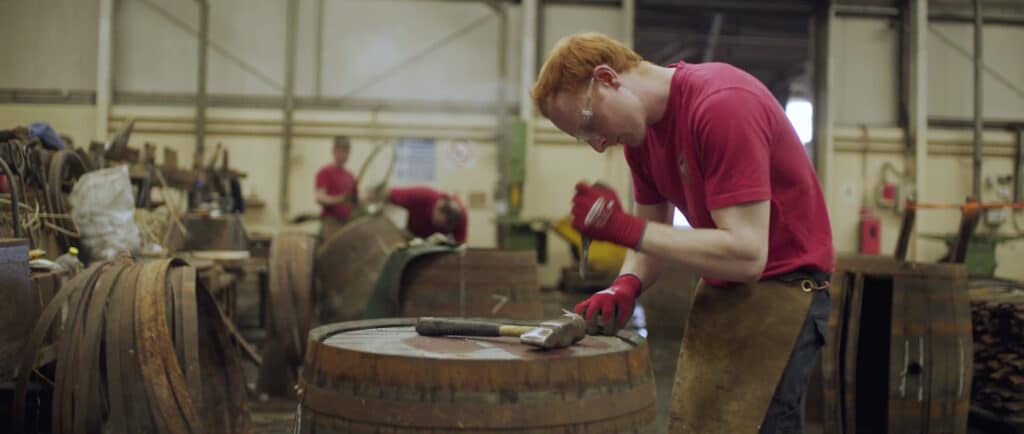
(786, 412)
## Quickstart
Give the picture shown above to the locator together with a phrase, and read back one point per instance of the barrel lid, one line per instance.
(397, 337)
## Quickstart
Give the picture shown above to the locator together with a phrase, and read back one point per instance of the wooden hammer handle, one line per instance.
(460, 327)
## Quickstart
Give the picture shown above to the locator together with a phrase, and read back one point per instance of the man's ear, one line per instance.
(607, 75)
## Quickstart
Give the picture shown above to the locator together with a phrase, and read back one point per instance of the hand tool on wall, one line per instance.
(555, 333)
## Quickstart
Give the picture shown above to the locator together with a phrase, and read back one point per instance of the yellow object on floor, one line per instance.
(604, 256)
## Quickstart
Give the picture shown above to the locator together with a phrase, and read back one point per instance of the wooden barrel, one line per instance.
(473, 283)
(289, 313)
(379, 376)
(16, 308)
(223, 233)
(349, 263)
(144, 349)
(899, 354)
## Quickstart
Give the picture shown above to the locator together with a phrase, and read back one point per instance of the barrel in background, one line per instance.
(380, 376)
(349, 263)
(16, 308)
(473, 283)
(898, 358)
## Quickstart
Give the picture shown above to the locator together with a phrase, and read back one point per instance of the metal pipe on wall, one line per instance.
(978, 100)
(103, 67)
(501, 193)
(291, 29)
(917, 122)
(201, 101)
(528, 60)
(823, 151)
(1018, 167)
(628, 23)
(530, 19)
(318, 51)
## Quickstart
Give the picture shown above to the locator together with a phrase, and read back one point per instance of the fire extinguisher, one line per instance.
(870, 232)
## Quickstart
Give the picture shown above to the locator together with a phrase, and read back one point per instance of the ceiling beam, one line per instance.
(732, 6)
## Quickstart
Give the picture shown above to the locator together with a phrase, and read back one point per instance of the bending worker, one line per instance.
(336, 190)
(431, 211)
(711, 140)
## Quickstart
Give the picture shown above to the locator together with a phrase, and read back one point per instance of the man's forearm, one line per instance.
(711, 252)
(646, 267)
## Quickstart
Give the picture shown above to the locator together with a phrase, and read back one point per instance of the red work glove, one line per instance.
(597, 215)
(617, 301)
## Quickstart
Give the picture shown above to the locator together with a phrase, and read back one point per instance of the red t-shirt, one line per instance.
(336, 180)
(420, 202)
(724, 140)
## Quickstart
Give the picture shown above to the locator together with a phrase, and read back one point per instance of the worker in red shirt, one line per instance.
(431, 211)
(336, 190)
(712, 141)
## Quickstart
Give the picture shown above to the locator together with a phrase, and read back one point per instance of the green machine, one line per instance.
(981, 250)
(515, 232)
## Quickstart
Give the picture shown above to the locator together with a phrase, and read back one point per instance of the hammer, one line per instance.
(560, 332)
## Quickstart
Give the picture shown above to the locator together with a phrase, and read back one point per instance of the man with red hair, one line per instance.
(710, 140)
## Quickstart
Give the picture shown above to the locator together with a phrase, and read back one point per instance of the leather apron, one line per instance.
(735, 347)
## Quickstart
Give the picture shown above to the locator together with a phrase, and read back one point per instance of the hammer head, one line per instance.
(556, 333)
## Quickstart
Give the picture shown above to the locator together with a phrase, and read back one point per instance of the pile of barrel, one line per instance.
(997, 309)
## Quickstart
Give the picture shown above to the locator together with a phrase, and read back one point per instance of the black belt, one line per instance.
(816, 280)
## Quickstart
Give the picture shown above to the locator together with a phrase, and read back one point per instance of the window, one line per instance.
(679, 220)
(801, 114)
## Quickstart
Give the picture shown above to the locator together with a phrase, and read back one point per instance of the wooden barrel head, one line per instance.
(366, 376)
(405, 342)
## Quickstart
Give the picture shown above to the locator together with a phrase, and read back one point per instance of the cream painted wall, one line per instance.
(865, 94)
(949, 181)
(951, 73)
(61, 57)
(77, 121)
(564, 20)
(864, 52)
(154, 55)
